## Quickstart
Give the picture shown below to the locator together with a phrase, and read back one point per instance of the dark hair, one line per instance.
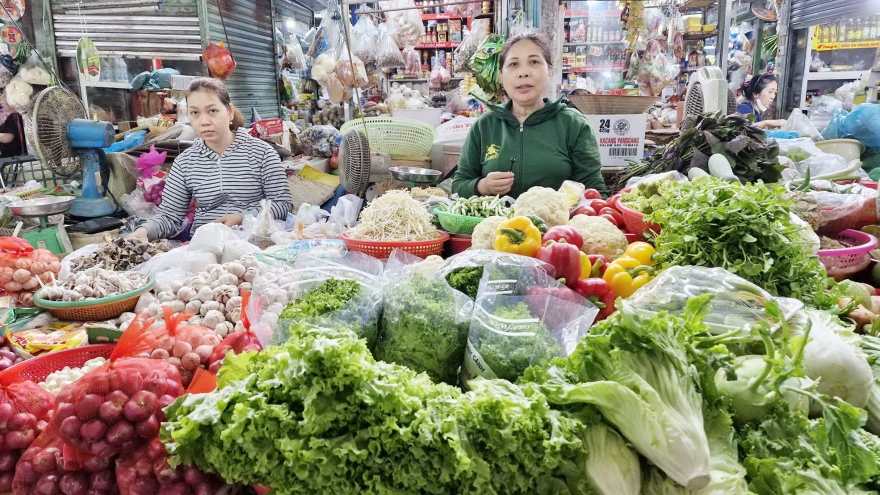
(216, 86)
(537, 38)
(754, 87)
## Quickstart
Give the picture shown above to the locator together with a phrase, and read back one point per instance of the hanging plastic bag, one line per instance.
(365, 43)
(522, 317)
(485, 64)
(351, 71)
(389, 53)
(404, 25)
(147, 470)
(117, 407)
(412, 62)
(327, 39)
(51, 467)
(318, 291)
(32, 71)
(295, 54)
(737, 306)
(424, 326)
(220, 62)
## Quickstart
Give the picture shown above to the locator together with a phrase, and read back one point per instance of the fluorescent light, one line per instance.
(290, 23)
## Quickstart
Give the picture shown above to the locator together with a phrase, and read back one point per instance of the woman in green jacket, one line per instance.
(530, 141)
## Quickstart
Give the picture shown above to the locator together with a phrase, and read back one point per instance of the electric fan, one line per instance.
(357, 166)
(707, 92)
(66, 142)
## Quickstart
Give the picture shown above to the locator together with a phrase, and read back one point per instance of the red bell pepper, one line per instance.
(600, 264)
(543, 307)
(598, 292)
(561, 232)
(565, 258)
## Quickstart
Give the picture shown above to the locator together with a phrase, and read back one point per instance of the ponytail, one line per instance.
(237, 118)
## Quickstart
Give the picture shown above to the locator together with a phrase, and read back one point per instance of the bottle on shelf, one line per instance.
(866, 29)
(832, 32)
(850, 30)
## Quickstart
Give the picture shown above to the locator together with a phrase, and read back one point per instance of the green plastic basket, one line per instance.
(106, 308)
(457, 224)
(395, 136)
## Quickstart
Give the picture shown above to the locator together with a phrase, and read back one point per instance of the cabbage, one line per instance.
(613, 467)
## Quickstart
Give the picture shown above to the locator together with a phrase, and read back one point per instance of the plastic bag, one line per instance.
(25, 410)
(455, 130)
(219, 60)
(522, 317)
(186, 347)
(424, 326)
(295, 55)
(412, 62)
(471, 41)
(847, 93)
(356, 283)
(177, 264)
(389, 53)
(18, 94)
(135, 204)
(49, 467)
(799, 123)
(117, 407)
(405, 26)
(326, 40)
(236, 342)
(319, 140)
(738, 304)
(149, 163)
(468, 265)
(22, 268)
(365, 43)
(32, 71)
(833, 130)
(8, 461)
(213, 237)
(846, 211)
(146, 470)
(863, 124)
(351, 72)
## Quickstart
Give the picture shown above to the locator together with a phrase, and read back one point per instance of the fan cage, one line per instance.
(47, 130)
(354, 162)
(694, 103)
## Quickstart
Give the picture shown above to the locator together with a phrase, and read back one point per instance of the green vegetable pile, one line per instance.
(336, 302)
(486, 62)
(478, 206)
(466, 280)
(649, 196)
(796, 154)
(319, 415)
(424, 327)
(733, 136)
(508, 355)
(745, 229)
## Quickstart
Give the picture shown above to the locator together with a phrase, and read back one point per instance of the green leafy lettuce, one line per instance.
(424, 327)
(466, 280)
(318, 414)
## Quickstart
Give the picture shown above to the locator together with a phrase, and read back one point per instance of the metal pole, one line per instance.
(722, 51)
(783, 59)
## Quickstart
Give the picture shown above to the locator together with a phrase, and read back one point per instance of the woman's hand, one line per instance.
(230, 220)
(495, 183)
(139, 233)
(770, 124)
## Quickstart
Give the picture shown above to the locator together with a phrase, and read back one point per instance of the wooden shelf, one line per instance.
(699, 36)
(438, 46)
(697, 4)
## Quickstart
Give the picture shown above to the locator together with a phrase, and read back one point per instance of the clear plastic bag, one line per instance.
(846, 211)
(464, 271)
(424, 326)
(365, 43)
(404, 25)
(147, 470)
(49, 467)
(799, 123)
(863, 124)
(738, 304)
(389, 53)
(355, 275)
(351, 71)
(522, 317)
(135, 204)
(295, 55)
(412, 62)
(327, 39)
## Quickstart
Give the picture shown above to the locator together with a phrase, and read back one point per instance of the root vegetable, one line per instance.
(180, 348)
(160, 354)
(190, 361)
(13, 286)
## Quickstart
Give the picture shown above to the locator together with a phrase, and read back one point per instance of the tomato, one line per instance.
(614, 213)
(592, 194)
(614, 201)
(583, 210)
(610, 219)
(598, 204)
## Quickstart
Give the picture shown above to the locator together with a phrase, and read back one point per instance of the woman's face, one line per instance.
(768, 94)
(525, 74)
(208, 116)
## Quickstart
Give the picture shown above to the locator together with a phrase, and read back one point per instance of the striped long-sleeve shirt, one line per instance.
(247, 172)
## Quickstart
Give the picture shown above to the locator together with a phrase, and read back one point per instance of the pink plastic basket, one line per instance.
(38, 368)
(841, 263)
(635, 221)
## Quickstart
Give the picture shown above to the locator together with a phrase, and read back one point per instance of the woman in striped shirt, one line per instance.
(226, 171)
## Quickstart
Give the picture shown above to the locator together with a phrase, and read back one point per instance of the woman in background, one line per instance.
(760, 93)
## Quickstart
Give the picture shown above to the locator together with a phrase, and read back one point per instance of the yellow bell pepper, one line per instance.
(641, 251)
(626, 275)
(586, 266)
(518, 236)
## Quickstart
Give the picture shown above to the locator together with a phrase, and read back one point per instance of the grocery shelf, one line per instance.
(438, 46)
(441, 17)
(845, 45)
(700, 36)
(834, 76)
(697, 4)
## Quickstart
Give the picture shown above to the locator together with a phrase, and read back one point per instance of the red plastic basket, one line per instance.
(841, 263)
(382, 250)
(457, 244)
(38, 368)
(635, 221)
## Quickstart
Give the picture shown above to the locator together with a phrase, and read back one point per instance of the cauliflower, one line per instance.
(428, 266)
(545, 203)
(483, 236)
(600, 236)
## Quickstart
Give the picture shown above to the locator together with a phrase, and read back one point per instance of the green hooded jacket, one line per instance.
(554, 144)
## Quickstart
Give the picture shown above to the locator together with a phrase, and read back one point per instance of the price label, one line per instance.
(596, 51)
(11, 35)
(621, 138)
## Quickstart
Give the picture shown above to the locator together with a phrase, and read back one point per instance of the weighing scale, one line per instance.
(46, 236)
(415, 176)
